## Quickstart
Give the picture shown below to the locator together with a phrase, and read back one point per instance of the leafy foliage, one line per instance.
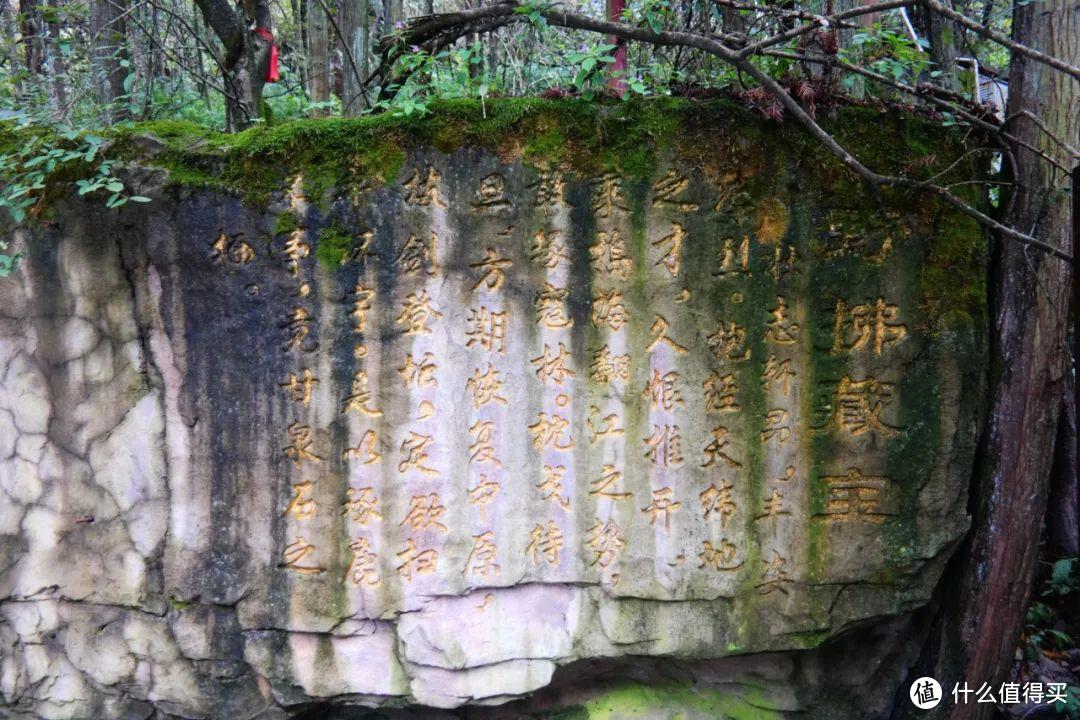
(27, 168)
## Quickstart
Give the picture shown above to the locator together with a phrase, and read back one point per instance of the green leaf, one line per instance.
(1063, 569)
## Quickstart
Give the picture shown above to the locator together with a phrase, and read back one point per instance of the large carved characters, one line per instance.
(667, 422)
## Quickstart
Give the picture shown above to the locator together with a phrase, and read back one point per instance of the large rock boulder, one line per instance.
(653, 416)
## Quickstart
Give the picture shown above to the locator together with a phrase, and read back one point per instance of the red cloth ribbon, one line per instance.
(272, 69)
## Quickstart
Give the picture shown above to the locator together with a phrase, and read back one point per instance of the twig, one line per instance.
(769, 10)
(221, 89)
(206, 46)
(1000, 39)
(822, 21)
(506, 11)
(926, 95)
(1042, 126)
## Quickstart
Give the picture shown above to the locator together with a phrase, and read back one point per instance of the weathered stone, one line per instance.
(471, 434)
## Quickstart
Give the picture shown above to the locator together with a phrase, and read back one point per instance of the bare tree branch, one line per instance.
(187, 28)
(431, 27)
(875, 179)
(942, 9)
(927, 93)
(822, 22)
(179, 61)
(771, 10)
(1049, 133)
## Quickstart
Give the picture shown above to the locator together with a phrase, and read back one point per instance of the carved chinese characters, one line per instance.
(471, 401)
(639, 402)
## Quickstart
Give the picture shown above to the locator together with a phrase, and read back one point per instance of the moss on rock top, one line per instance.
(574, 134)
(720, 137)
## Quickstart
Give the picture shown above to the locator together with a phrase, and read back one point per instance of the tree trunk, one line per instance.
(731, 20)
(354, 29)
(153, 67)
(985, 615)
(845, 45)
(245, 82)
(1063, 511)
(57, 64)
(108, 38)
(617, 69)
(204, 88)
(318, 55)
(392, 15)
(33, 41)
(944, 37)
(247, 56)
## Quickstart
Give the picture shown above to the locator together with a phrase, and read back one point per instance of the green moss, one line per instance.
(547, 147)
(809, 639)
(286, 222)
(585, 137)
(179, 605)
(320, 178)
(176, 134)
(333, 246)
(633, 700)
(953, 279)
(361, 152)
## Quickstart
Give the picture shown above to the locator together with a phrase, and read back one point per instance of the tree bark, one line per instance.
(108, 38)
(731, 20)
(943, 36)
(1063, 510)
(617, 70)
(1029, 360)
(152, 66)
(246, 55)
(392, 15)
(57, 65)
(355, 26)
(318, 55)
(32, 38)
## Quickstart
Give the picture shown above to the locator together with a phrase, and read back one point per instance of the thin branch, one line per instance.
(433, 45)
(999, 183)
(738, 59)
(933, 5)
(205, 45)
(942, 9)
(425, 27)
(872, 178)
(1042, 126)
(770, 10)
(957, 161)
(927, 93)
(822, 21)
(209, 81)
